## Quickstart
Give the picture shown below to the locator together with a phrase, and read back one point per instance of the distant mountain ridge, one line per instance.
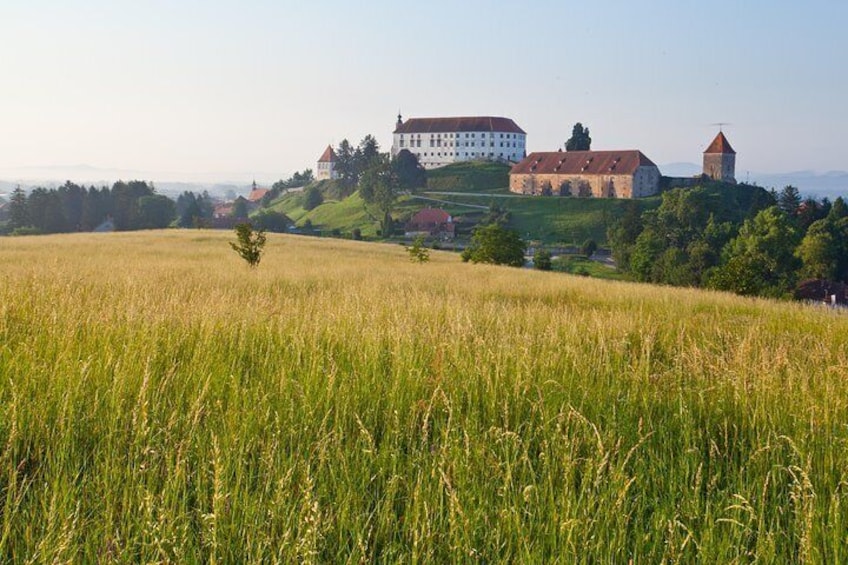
(170, 184)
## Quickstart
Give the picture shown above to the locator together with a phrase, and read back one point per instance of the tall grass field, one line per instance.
(161, 402)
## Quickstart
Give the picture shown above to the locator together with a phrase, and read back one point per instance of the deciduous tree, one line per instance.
(495, 244)
(761, 259)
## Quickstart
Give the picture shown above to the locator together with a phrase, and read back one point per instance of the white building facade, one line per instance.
(437, 142)
(327, 165)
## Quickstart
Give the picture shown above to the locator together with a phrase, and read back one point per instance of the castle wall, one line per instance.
(598, 186)
(720, 166)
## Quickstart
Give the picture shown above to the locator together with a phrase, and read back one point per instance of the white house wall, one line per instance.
(443, 148)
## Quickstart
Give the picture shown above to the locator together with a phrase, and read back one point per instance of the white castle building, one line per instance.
(437, 142)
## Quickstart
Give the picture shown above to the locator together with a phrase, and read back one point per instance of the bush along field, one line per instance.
(163, 402)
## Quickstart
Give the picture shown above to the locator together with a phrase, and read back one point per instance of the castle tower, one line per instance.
(720, 160)
(327, 165)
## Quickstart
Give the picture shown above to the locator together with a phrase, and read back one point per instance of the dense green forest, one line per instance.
(734, 237)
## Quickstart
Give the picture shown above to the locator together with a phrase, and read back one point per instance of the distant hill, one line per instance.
(168, 183)
(810, 183)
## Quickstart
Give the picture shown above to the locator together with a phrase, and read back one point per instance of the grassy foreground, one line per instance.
(161, 403)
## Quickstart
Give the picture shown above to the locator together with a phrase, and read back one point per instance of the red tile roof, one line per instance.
(328, 156)
(474, 123)
(256, 194)
(430, 217)
(222, 210)
(583, 163)
(720, 145)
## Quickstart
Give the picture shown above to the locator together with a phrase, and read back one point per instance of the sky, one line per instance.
(258, 88)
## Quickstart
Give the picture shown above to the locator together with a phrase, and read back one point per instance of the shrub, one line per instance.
(542, 260)
(312, 198)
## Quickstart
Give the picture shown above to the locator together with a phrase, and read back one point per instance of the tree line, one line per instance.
(132, 205)
(129, 205)
(737, 238)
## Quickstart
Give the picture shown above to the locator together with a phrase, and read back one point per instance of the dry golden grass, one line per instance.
(162, 402)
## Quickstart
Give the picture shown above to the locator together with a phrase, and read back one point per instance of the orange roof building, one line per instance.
(720, 160)
(433, 222)
(600, 174)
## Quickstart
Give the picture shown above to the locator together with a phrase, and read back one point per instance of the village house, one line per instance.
(326, 169)
(431, 222)
(437, 142)
(598, 174)
(222, 210)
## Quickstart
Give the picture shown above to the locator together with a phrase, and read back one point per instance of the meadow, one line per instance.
(160, 402)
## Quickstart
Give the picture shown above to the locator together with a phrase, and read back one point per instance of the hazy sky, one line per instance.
(260, 87)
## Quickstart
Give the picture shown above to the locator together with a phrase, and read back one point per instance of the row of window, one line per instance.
(438, 143)
(458, 135)
(466, 155)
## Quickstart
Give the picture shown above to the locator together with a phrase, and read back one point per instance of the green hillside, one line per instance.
(549, 219)
(470, 176)
(163, 403)
(554, 219)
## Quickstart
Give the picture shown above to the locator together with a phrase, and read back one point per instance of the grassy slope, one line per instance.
(580, 265)
(344, 215)
(161, 402)
(471, 177)
(553, 219)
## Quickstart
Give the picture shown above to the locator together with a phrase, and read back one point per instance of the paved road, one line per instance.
(476, 194)
(475, 206)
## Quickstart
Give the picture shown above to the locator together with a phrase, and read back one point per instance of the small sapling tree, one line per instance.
(249, 244)
(417, 252)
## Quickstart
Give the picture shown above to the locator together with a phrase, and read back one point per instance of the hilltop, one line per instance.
(466, 190)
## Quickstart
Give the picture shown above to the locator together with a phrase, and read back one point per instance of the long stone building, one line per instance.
(599, 174)
(437, 142)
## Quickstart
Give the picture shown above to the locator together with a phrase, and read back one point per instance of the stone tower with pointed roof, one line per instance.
(327, 165)
(720, 160)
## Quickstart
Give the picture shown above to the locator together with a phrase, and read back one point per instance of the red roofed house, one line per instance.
(437, 142)
(720, 160)
(600, 174)
(327, 165)
(222, 210)
(432, 222)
